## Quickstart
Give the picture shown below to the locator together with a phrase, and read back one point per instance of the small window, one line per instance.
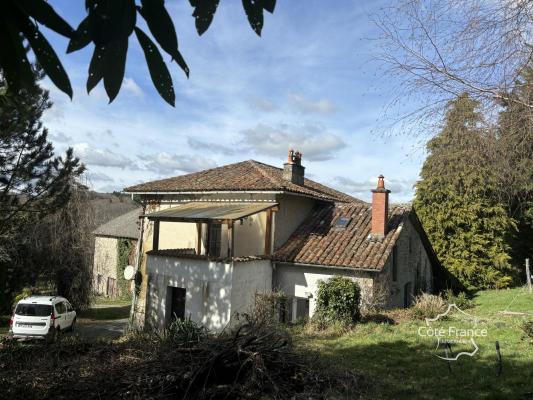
(394, 264)
(215, 239)
(60, 308)
(342, 222)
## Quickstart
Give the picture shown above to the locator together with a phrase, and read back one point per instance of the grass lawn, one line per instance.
(401, 364)
(104, 308)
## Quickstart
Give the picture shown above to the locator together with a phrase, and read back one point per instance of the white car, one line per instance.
(42, 317)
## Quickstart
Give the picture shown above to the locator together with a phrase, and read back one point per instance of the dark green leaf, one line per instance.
(47, 58)
(269, 5)
(13, 60)
(115, 64)
(204, 11)
(161, 26)
(81, 37)
(158, 70)
(110, 20)
(96, 68)
(46, 15)
(254, 13)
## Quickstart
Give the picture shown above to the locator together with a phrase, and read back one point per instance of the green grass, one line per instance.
(106, 313)
(101, 300)
(400, 364)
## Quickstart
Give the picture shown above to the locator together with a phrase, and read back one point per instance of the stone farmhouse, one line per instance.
(119, 234)
(211, 240)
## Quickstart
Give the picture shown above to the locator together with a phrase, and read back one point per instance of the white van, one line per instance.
(42, 317)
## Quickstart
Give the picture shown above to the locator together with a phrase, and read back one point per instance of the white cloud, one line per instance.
(311, 140)
(131, 87)
(101, 157)
(307, 106)
(399, 187)
(59, 137)
(212, 147)
(262, 104)
(170, 164)
(98, 177)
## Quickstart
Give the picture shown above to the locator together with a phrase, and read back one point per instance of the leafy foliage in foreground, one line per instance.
(108, 25)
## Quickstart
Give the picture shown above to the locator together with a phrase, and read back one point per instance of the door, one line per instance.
(177, 303)
(111, 287)
(70, 313)
(61, 316)
(215, 240)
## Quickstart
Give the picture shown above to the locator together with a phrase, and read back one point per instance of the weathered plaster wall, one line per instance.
(249, 278)
(414, 272)
(250, 236)
(302, 281)
(177, 235)
(208, 290)
(105, 262)
(292, 212)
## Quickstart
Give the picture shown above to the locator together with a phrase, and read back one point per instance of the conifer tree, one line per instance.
(455, 201)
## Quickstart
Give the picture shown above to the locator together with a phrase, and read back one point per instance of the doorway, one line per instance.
(177, 303)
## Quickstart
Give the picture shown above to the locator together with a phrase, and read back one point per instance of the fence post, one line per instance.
(528, 275)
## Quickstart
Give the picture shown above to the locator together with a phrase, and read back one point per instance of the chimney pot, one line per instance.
(380, 209)
(293, 171)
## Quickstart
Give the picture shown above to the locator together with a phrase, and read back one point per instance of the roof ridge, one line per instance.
(255, 165)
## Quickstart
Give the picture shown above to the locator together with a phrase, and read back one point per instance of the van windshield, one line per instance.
(34, 310)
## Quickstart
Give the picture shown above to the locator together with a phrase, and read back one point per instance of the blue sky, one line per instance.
(309, 82)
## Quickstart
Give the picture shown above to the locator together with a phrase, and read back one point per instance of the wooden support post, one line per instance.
(155, 237)
(231, 234)
(268, 233)
(199, 241)
(528, 275)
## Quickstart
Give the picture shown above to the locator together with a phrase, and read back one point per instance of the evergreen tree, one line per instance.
(34, 182)
(455, 201)
(515, 162)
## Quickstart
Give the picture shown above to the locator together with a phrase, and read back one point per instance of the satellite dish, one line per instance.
(129, 272)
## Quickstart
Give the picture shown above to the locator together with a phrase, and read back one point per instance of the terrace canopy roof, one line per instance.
(209, 212)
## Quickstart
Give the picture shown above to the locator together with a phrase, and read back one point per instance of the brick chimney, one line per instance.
(380, 209)
(292, 169)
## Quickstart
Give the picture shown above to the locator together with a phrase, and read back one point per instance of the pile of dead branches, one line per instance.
(251, 362)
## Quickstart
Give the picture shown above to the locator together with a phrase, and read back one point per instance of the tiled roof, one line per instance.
(125, 226)
(318, 241)
(243, 176)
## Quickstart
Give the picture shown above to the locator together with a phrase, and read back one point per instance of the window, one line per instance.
(69, 307)
(215, 236)
(342, 222)
(394, 264)
(60, 308)
(34, 310)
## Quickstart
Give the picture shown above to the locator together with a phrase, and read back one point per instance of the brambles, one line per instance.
(427, 306)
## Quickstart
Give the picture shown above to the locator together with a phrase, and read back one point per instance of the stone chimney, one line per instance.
(292, 169)
(380, 209)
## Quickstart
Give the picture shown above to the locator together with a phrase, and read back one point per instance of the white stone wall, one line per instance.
(214, 291)
(208, 290)
(302, 281)
(105, 262)
(249, 278)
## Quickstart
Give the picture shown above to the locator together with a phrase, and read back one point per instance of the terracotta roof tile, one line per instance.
(243, 176)
(318, 241)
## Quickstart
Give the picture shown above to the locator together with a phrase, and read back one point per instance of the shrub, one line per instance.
(461, 300)
(338, 300)
(185, 333)
(427, 306)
